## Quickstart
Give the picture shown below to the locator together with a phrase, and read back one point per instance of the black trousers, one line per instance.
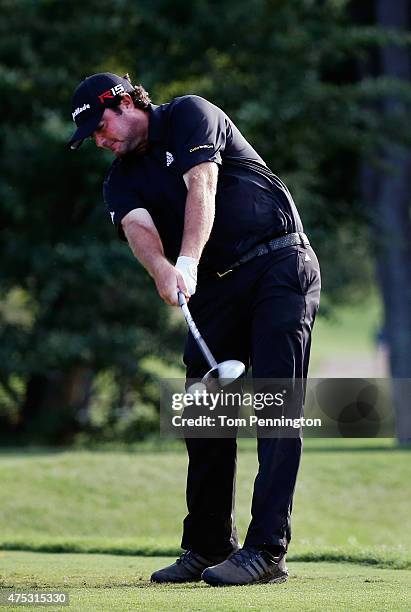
(262, 313)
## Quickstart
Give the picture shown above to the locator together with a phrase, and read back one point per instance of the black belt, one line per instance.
(265, 247)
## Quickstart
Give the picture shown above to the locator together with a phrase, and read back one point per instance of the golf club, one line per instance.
(222, 373)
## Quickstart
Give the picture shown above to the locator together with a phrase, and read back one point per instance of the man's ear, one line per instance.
(126, 101)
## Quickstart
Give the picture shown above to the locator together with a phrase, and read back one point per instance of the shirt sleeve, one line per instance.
(119, 199)
(197, 132)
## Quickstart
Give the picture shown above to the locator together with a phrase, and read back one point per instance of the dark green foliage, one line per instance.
(82, 300)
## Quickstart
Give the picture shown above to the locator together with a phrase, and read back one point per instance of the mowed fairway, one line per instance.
(107, 582)
(352, 528)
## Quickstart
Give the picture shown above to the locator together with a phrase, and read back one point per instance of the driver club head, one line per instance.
(223, 374)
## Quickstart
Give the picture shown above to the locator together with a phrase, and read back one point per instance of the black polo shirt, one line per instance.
(252, 204)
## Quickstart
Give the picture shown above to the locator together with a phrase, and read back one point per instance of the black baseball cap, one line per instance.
(91, 98)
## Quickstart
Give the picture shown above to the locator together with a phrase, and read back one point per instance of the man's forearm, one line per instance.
(145, 243)
(146, 246)
(200, 209)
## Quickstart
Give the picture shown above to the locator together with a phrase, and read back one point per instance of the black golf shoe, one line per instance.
(187, 568)
(247, 566)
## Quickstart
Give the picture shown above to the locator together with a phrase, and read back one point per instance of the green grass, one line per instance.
(352, 328)
(105, 582)
(351, 502)
(350, 332)
(350, 551)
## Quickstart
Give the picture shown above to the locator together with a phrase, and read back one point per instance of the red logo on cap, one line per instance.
(105, 95)
(111, 93)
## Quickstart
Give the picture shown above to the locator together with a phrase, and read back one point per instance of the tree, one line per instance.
(386, 184)
(75, 301)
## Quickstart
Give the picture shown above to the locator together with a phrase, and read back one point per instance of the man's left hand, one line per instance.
(188, 268)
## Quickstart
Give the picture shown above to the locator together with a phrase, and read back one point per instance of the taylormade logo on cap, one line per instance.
(79, 110)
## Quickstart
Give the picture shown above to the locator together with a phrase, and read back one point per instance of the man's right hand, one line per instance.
(168, 281)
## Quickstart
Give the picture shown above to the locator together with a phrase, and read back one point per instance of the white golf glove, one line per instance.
(188, 268)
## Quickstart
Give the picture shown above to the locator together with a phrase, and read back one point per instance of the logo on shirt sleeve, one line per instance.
(169, 158)
(112, 216)
(206, 146)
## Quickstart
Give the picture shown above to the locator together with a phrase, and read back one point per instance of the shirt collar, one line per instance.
(157, 121)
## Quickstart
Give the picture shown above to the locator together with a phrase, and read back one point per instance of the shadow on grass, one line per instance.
(325, 445)
(382, 558)
(340, 448)
(39, 451)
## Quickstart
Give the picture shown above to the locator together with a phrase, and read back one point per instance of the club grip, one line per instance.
(181, 298)
(193, 328)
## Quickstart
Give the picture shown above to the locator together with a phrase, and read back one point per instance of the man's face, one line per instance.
(123, 132)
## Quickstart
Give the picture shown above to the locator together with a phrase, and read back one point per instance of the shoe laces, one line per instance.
(185, 557)
(244, 556)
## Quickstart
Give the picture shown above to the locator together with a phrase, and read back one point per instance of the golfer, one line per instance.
(203, 213)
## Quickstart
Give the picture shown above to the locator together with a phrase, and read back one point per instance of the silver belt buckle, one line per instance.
(221, 274)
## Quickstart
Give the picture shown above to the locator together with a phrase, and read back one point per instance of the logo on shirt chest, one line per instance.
(169, 158)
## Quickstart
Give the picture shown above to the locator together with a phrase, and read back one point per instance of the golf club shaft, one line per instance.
(193, 328)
